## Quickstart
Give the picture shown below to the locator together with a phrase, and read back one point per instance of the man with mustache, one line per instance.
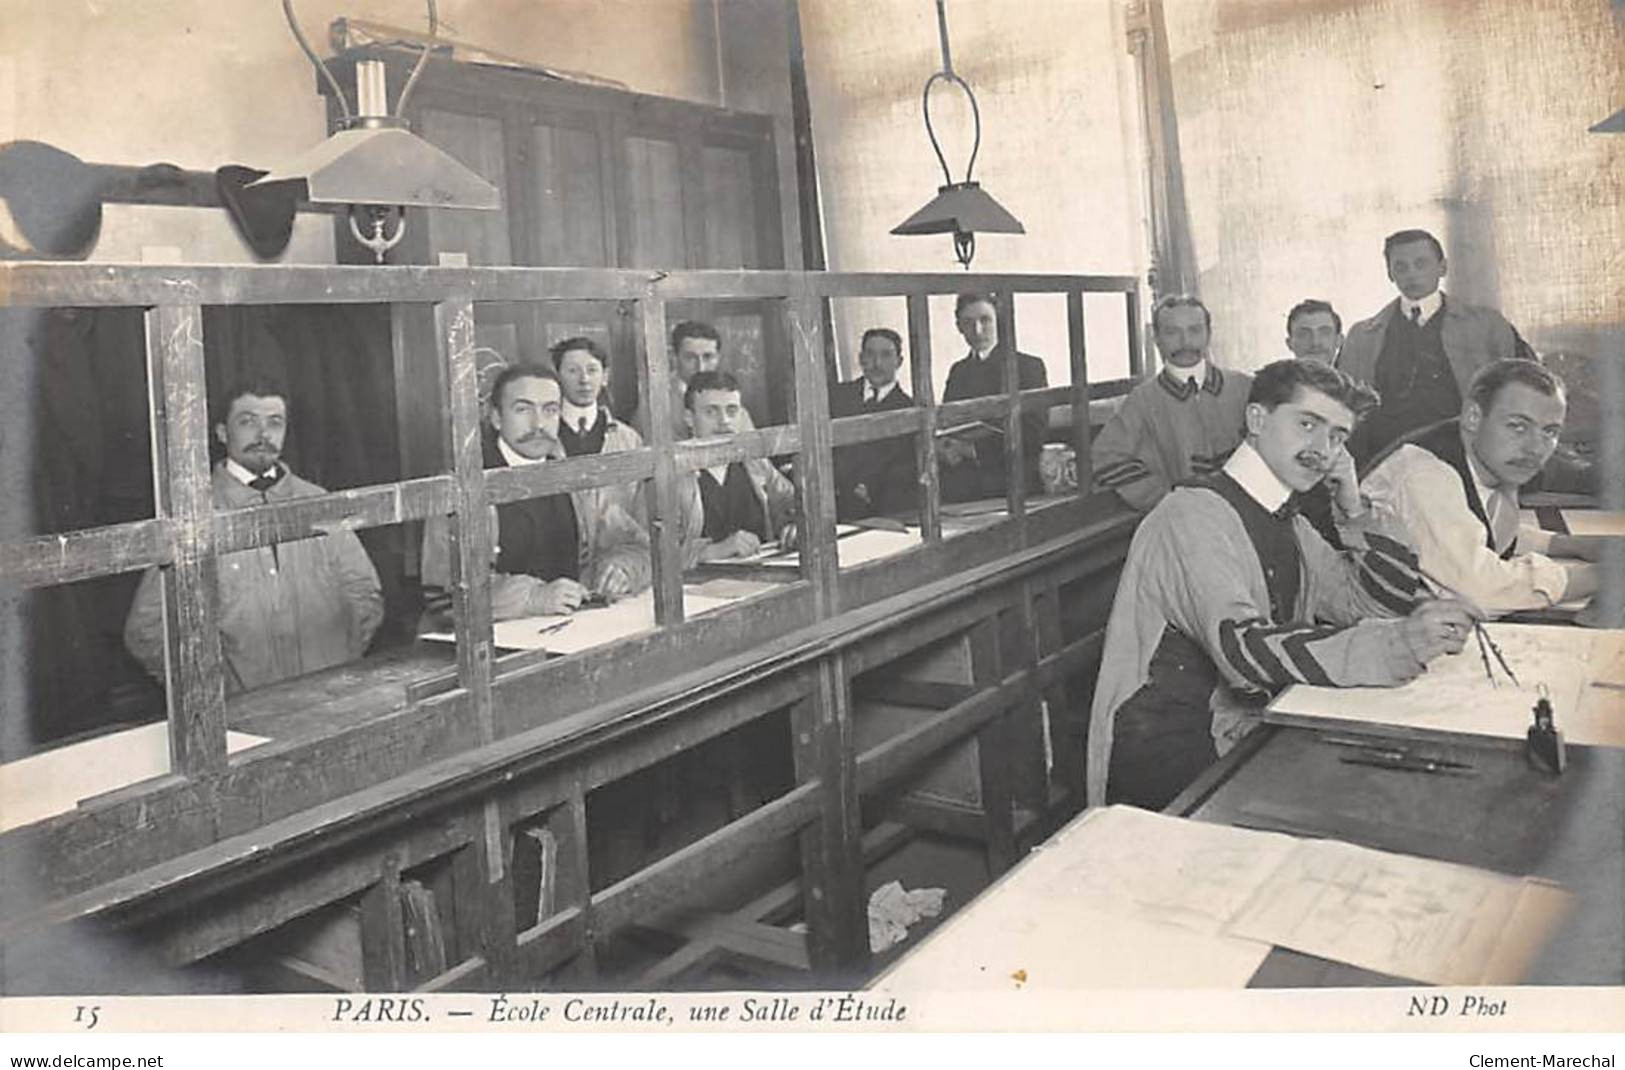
(1454, 487)
(1423, 348)
(877, 476)
(1227, 597)
(551, 552)
(286, 609)
(1182, 422)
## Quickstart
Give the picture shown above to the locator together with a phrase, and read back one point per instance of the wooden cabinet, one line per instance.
(590, 177)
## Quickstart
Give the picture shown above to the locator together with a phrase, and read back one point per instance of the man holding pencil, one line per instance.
(1228, 596)
(1454, 488)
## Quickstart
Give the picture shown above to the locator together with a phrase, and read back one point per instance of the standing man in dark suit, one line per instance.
(973, 463)
(878, 476)
(1422, 350)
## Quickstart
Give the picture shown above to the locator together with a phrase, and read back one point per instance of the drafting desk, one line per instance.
(1506, 819)
(1569, 521)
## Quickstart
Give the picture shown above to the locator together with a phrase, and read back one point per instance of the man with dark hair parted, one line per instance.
(551, 552)
(286, 609)
(1180, 423)
(971, 464)
(1423, 349)
(729, 510)
(586, 424)
(1314, 331)
(1454, 488)
(879, 476)
(1227, 597)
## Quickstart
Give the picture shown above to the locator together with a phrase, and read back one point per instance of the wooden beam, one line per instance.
(925, 445)
(1078, 353)
(194, 668)
(54, 284)
(665, 520)
(45, 560)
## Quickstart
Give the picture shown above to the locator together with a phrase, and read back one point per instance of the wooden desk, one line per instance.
(1506, 819)
(1570, 521)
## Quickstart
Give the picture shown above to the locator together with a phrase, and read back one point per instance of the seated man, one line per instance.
(1314, 331)
(1183, 422)
(1226, 598)
(550, 552)
(1454, 488)
(876, 477)
(696, 346)
(972, 463)
(730, 510)
(585, 423)
(288, 608)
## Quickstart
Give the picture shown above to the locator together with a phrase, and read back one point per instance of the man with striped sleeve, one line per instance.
(1182, 422)
(1227, 597)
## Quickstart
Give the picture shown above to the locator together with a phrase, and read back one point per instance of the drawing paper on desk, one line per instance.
(1409, 917)
(56, 781)
(851, 548)
(594, 627)
(1455, 697)
(1189, 874)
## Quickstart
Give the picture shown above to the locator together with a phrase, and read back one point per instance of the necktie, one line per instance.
(265, 482)
(1416, 315)
(582, 429)
(1502, 511)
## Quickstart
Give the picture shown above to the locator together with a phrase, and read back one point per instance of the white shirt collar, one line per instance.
(1248, 468)
(982, 356)
(1484, 488)
(573, 415)
(1429, 305)
(514, 458)
(719, 473)
(870, 394)
(1198, 371)
(243, 475)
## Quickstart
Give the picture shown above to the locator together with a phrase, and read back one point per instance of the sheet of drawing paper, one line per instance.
(1168, 870)
(1031, 928)
(1456, 697)
(1410, 917)
(56, 781)
(574, 632)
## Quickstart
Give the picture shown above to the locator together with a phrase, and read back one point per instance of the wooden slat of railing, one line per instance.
(803, 321)
(870, 426)
(43, 560)
(1078, 352)
(41, 284)
(1015, 460)
(925, 446)
(665, 522)
(693, 454)
(180, 435)
(471, 534)
(573, 473)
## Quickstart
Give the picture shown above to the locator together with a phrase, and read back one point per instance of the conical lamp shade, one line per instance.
(962, 208)
(1614, 124)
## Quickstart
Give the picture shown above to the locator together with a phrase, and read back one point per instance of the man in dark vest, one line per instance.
(729, 510)
(1227, 597)
(1454, 488)
(552, 551)
(1423, 348)
(586, 425)
(972, 463)
(875, 477)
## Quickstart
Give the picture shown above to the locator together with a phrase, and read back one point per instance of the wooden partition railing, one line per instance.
(461, 735)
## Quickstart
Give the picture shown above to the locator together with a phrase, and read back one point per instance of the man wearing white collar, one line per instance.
(1454, 487)
(552, 552)
(971, 463)
(1183, 422)
(1421, 351)
(585, 423)
(286, 609)
(875, 477)
(1227, 597)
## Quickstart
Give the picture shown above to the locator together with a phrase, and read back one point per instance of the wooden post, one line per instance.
(833, 902)
(178, 404)
(471, 522)
(803, 322)
(665, 523)
(1015, 459)
(383, 932)
(1136, 335)
(993, 752)
(580, 890)
(925, 445)
(1077, 347)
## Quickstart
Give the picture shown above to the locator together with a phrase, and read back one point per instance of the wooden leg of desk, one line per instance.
(383, 932)
(832, 866)
(994, 754)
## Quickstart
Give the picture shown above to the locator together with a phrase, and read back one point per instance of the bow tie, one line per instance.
(263, 483)
(1289, 508)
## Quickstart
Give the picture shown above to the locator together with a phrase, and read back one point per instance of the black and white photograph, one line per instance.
(540, 518)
